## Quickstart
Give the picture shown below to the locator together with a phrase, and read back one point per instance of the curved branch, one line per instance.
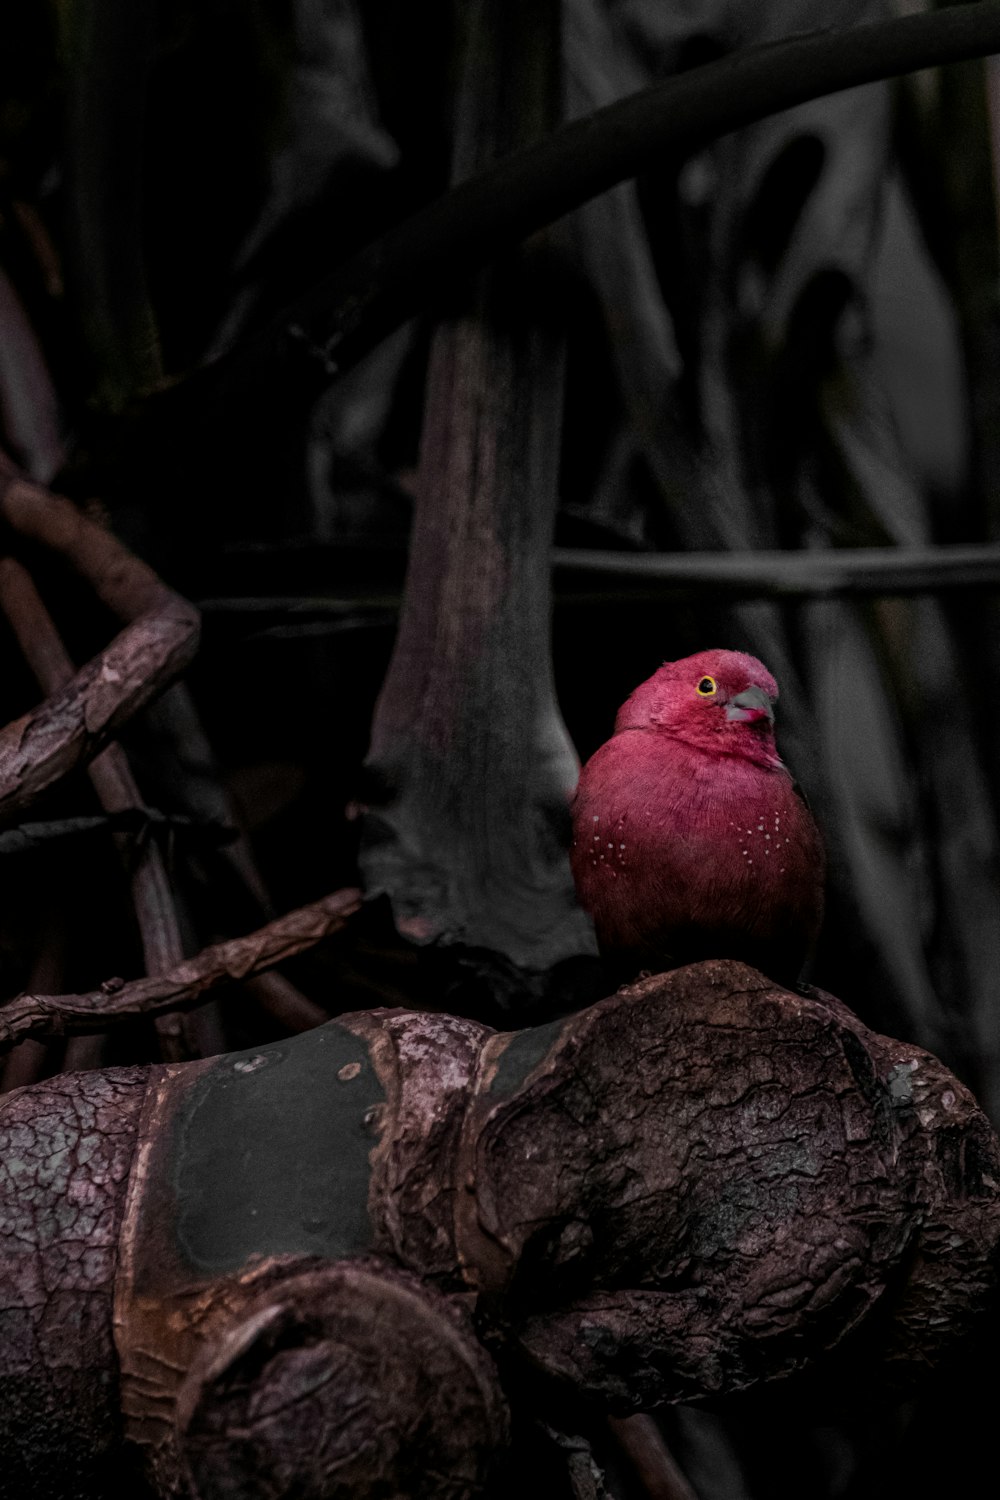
(160, 640)
(184, 984)
(343, 317)
(111, 777)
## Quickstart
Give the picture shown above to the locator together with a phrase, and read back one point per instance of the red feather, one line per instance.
(690, 839)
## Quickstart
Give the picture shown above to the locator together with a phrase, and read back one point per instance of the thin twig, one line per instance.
(343, 317)
(28, 402)
(183, 985)
(132, 822)
(814, 574)
(830, 573)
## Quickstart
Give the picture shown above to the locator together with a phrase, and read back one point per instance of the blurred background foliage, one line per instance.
(790, 340)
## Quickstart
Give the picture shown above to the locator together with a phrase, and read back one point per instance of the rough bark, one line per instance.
(117, 791)
(76, 722)
(699, 1183)
(343, 1383)
(67, 1148)
(469, 703)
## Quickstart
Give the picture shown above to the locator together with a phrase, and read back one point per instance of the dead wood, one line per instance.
(345, 1382)
(184, 984)
(471, 765)
(700, 1183)
(159, 641)
(842, 572)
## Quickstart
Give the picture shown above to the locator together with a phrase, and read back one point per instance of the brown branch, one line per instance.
(343, 317)
(122, 581)
(116, 788)
(642, 1446)
(584, 575)
(184, 984)
(158, 643)
(284, 1003)
(773, 1187)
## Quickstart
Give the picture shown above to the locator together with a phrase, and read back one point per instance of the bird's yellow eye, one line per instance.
(706, 687)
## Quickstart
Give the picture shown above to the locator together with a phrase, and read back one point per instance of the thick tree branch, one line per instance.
(472, 766)
(349, 312)
(699, 1183)
(185, 983)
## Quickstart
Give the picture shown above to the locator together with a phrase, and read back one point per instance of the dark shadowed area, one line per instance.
(436, 507)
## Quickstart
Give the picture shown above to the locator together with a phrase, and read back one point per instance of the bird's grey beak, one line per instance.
(750, 705)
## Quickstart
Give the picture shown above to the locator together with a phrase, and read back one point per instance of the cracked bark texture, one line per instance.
(159, 640)
(66, 1149)
(469, 700)
(347, 1381)
(701, 1182)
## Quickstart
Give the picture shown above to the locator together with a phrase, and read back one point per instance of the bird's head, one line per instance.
(720, 701)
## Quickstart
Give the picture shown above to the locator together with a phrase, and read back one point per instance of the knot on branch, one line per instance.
(701, 1182)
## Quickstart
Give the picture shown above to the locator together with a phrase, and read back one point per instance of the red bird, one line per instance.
(690, 838)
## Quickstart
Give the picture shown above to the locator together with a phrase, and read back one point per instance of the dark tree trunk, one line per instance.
(471, 763)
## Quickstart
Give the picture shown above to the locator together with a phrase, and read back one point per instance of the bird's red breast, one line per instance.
(690, 839)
